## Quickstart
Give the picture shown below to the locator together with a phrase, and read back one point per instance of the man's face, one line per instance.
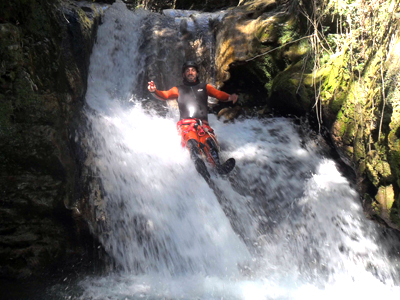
(190, 74)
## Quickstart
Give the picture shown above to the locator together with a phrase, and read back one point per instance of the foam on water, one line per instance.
(311, 242)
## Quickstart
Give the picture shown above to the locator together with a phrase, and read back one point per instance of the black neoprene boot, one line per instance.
(224, 168)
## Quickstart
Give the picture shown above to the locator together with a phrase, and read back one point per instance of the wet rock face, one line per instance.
(45, 49)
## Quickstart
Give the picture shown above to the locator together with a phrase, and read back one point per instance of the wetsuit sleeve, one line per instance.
(213, 92)
(167, 95)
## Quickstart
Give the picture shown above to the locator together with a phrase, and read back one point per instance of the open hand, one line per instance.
(151, 87)
(233, 97)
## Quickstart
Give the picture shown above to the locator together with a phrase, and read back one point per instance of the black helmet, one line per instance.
(190, 63)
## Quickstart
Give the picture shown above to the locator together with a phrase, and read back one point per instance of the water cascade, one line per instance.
(286, 224)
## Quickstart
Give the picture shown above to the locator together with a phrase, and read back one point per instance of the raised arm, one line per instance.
(163, 95)
(220, 95)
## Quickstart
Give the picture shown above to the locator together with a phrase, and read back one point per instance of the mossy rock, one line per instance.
(347, 130)
(45, 48)
(290, 92)
(378, 169)
(394, 155)
(297, 51)
(266, 32)
(385, 197)
(359, 146)
(334, 79)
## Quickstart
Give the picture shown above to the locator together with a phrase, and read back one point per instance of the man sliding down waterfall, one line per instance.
(193, 126)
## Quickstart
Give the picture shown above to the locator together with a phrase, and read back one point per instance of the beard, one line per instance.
(191, 78)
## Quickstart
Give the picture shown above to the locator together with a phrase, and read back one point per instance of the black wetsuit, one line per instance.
(192, 101)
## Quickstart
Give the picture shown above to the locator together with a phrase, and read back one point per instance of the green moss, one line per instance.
(266, 32)
(345, 118)
(335, 82)
(376, 208)
(86, 22)
(361, 168)
(394, 155)
(349, 132)
(268, 67)
(337, 100)
(289, 31)
(385, 197)
(378, 168)
(359, 147)
(299, 49)
(289, 92)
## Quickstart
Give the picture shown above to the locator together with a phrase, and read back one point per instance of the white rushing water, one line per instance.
(285, 225)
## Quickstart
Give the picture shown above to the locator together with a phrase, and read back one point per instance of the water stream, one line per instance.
(285, 225)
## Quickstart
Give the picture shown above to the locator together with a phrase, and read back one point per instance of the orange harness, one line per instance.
(198, 130)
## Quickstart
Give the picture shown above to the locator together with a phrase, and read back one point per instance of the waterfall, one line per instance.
(286, 224)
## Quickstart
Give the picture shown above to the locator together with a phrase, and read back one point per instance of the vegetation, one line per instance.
(355, 44)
